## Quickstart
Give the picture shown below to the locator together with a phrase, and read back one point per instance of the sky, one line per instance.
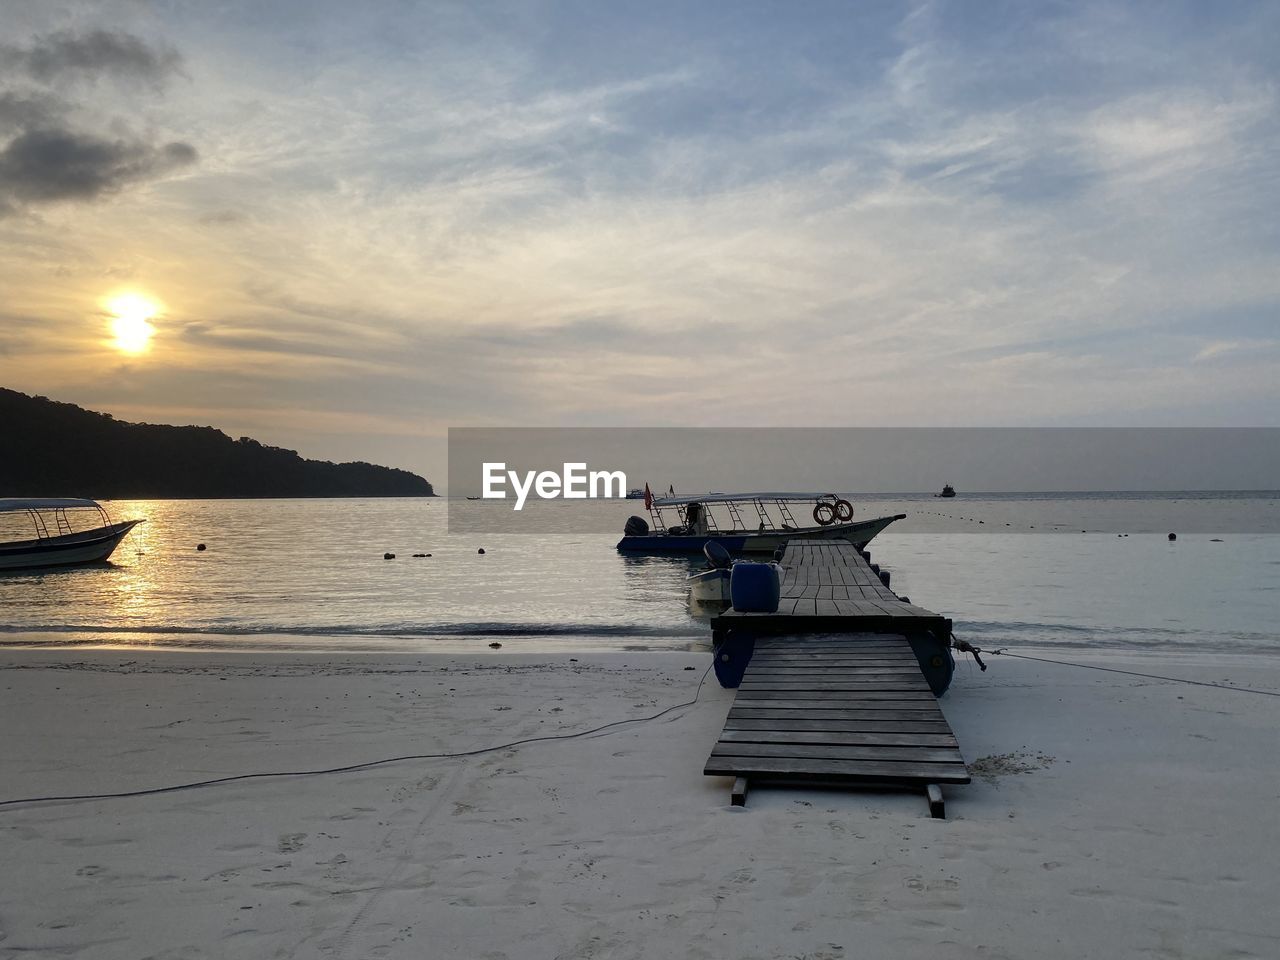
(359, 225)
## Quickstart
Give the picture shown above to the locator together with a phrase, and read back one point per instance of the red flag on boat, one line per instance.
(648, 498)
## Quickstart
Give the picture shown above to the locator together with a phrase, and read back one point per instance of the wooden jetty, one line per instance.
(839, 685)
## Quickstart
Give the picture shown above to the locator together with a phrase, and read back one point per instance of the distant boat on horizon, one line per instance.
(637, 493)
(947, 491)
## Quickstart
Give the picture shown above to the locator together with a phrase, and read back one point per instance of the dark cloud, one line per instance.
(63, 164)
(28, 109)
(45, 153)
(92, 54)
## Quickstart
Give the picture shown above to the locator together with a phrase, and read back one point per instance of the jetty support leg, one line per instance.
(738, 797)
(937, 807)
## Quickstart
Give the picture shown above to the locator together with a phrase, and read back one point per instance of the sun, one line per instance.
(130, 324)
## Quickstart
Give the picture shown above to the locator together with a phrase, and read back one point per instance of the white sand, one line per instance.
(1144, 822)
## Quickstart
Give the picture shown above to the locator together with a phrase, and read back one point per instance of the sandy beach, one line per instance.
(1110, 816)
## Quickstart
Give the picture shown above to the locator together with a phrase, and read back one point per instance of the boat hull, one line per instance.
(710, 586)
(859, 534)
(88, 546)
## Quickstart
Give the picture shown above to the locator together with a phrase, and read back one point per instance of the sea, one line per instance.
(1087, 570)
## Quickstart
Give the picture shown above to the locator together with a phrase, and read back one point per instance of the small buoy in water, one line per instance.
(388, 556)
(481, 550)
(421, 554)
(1173, 536)
(495, 645)
(1215, 540)
(199, 546)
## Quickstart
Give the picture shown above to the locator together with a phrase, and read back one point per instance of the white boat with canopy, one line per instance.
(746, 522)
(57, 542)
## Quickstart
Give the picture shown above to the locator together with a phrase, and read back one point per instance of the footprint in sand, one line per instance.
(291, 842)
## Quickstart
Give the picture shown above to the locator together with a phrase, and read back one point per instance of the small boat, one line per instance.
(473, 498)
(57, 543)
(712, 585)
(635, 493)
(947, 491)
(719, 517)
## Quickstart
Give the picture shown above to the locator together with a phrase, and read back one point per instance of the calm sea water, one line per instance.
(311, 574)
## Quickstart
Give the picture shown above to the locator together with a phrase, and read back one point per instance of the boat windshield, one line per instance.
(40, 519)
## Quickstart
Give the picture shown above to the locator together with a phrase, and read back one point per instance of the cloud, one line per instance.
(46, 165)
(54, 153)
(1252, 349)
(1217, 349)
(28, 109)
(952, 215)
(1172, 132)
(223, 218)
(62, 55)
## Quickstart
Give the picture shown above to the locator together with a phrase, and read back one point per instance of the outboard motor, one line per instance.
(635, 527)
(717, 555)
(694, 517)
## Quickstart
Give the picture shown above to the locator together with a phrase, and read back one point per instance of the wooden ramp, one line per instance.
(838, 685)
(846, 708)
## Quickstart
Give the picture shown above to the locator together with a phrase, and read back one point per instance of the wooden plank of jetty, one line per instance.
(847, 724)
(839, 685)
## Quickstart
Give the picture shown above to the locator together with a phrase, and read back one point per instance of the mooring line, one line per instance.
(1004, 652)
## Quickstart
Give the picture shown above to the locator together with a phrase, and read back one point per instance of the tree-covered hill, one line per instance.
(51, 449)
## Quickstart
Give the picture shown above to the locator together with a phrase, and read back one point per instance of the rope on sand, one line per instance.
(966, 647)
(364, 766)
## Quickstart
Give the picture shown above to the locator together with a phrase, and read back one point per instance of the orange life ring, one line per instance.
(843, 511)
(824, 513)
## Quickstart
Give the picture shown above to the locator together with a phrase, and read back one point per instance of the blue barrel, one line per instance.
(754, 587)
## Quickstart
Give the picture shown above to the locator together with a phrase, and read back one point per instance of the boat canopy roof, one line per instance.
(737, 497)
(11, 504)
